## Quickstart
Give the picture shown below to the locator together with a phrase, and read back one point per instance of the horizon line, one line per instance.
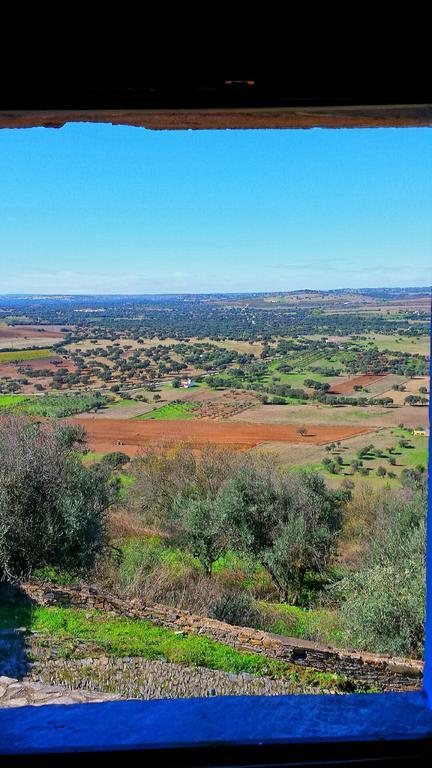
(217, 293)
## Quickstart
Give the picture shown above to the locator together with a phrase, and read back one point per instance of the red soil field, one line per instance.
(348, 384)
(30, 332)
(53, 363)
(11, 369)
(106, 435)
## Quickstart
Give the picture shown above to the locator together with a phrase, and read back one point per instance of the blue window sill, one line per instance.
(223, 721)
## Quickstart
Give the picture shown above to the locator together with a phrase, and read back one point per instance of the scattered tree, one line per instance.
(52, 508)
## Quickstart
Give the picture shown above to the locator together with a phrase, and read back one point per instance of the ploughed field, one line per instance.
(348, 384)
(109, 435)
(23, 336)
(30, 332)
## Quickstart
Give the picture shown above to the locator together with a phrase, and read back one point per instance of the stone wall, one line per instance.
(379, 671)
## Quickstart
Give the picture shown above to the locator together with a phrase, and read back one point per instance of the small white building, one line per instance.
(186, 383)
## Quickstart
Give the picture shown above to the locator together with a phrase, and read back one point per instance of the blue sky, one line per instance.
(102, 209)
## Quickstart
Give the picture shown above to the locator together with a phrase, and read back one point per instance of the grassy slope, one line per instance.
(67, 628)
(416, 454)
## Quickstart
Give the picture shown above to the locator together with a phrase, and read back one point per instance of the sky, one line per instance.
(102, 209)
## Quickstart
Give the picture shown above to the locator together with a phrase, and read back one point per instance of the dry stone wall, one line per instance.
(379, 671)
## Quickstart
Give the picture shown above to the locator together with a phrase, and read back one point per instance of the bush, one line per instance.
(115, 460)
(290, 524)
(52, 508)
(236, 608)
(384, 602)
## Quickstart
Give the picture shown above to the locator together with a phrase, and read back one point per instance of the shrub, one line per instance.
(384, 602)
(52, 508)
(115, 460)
(236, 607)
(348, 484)
(289, 523)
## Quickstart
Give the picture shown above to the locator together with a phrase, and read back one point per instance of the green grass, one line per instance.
(289, 378)
(320, 625)
(345, 414)
(116, 636)
(367, 414)
(144, 554)
(415, 454)
(123, 403)
(10, 401)
(418, 454)
(171, 411)
(15, 319)
(328, 362)
(25, 354)
(126, 483)
(50, 405)
(91, 457)
(295, 379)
(415, 345)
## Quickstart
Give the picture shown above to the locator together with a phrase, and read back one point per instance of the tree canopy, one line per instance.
(52, 508)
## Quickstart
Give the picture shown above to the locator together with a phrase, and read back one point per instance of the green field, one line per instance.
(404, 457)
(11, 401)
(24, 354)
(57, 406)
(297, 379)
(171, 411)
(123, 403)
(416, 345)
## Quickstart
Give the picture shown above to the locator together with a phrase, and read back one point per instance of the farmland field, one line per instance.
(348, 385)
(324, 414)
(394, 343)
(171, 411)
(57, 406)
(10, 401)
(418, 344)
(30, 332)
(25, 354)
(132, 435)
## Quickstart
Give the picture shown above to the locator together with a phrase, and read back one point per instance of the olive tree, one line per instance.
(204, 528)
(290, 523)
(383, 602)
(52, 508)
